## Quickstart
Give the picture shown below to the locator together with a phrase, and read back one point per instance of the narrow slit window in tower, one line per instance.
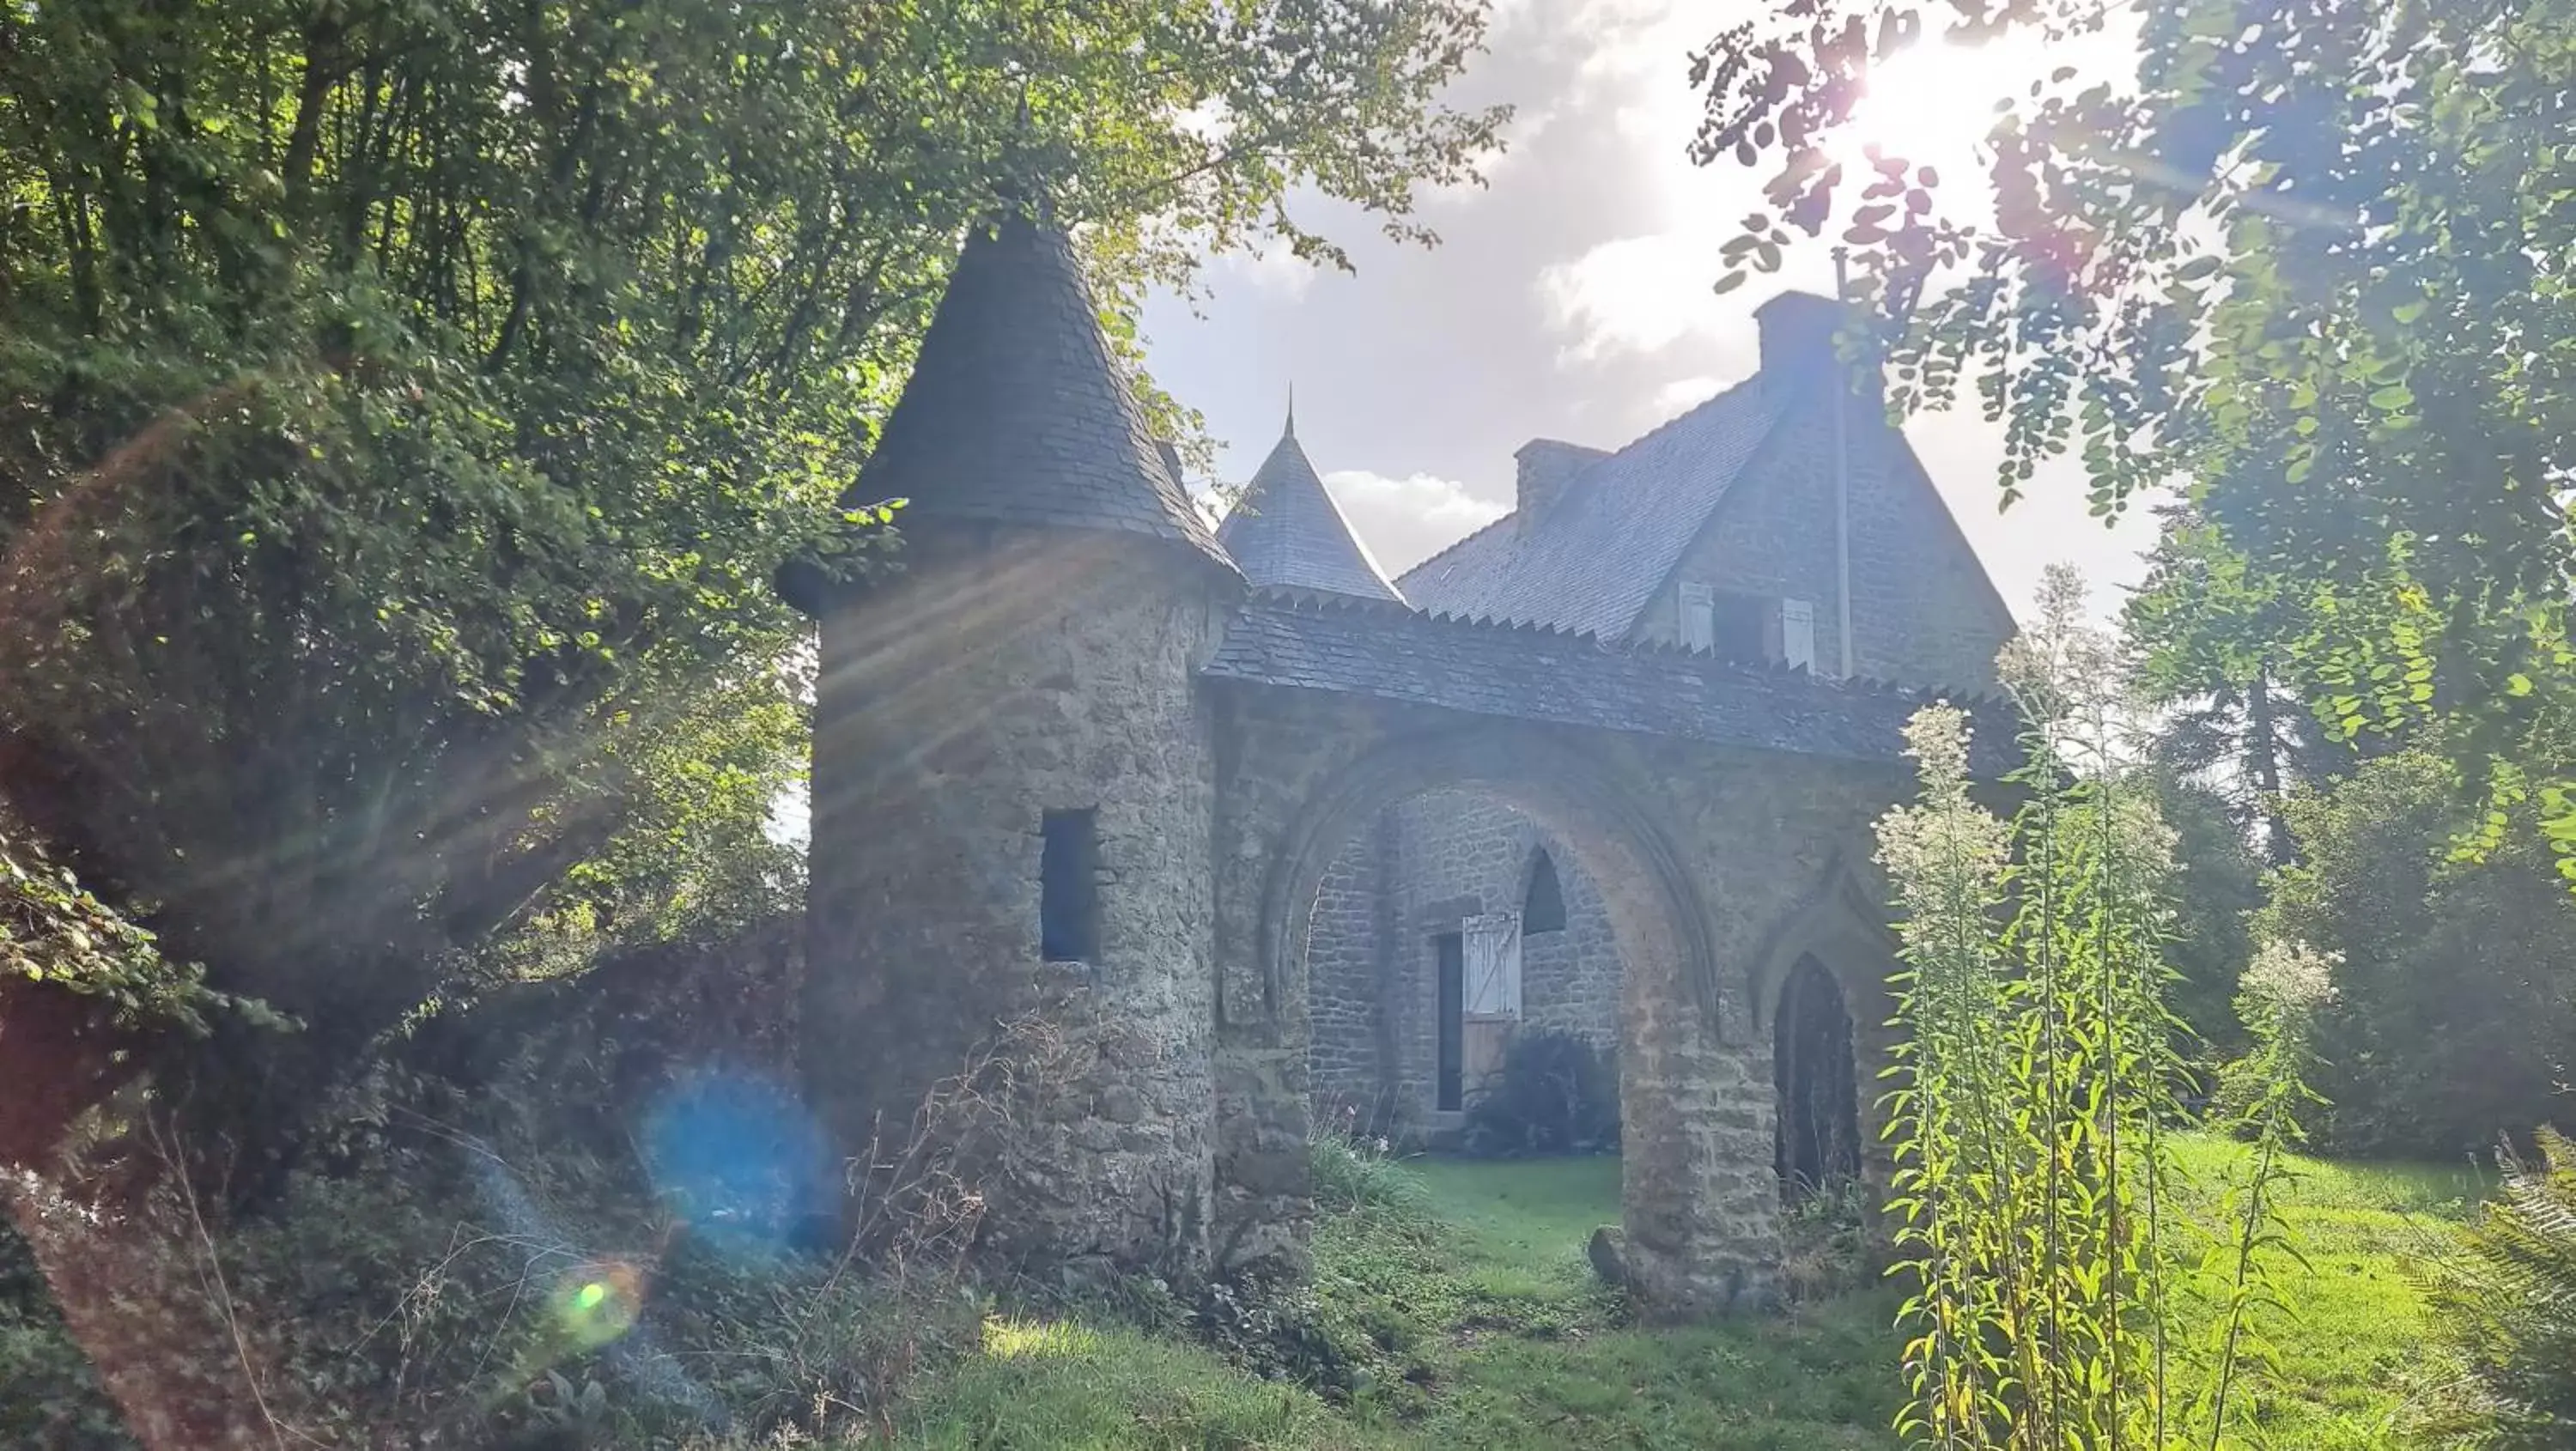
(1069, 886)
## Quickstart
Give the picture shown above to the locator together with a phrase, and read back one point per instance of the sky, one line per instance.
(1571, 298)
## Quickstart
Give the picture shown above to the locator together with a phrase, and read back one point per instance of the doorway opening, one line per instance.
(1450, 949)
(1816, 1076)
(1424, 981)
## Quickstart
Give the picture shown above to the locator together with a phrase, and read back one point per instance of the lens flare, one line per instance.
(597, 1303)
(737, 1159)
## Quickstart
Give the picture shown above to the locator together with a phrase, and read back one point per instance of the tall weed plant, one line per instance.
(2036, 1081)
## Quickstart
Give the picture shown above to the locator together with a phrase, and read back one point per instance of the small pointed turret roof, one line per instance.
(1017, 413)
(1287, 533)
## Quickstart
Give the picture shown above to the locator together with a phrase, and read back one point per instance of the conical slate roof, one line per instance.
(1016, 412)
(1287, 533)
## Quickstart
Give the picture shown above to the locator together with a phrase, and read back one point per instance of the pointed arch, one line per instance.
(1816, 1135)
(1543, 901)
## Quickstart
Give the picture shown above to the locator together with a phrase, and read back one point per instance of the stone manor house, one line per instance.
(1176, 837)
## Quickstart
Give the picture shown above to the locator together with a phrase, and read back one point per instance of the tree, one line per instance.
(2218, 882)
(406, 405)
(2314, 261)
(2218, 647)
(2456, 1005)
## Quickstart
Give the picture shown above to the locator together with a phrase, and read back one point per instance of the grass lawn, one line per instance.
(1478, 1324)
(2356, 1337)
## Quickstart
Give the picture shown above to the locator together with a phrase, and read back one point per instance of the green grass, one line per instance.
(1463, 1294)
(2352, 1347)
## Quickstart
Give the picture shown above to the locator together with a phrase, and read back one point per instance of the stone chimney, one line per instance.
(1545, 465)
(1798, 349)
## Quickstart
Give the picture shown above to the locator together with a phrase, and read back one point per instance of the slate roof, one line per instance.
(1016, 411)
(1287, 533)
(1531, 673)
(1595, 558)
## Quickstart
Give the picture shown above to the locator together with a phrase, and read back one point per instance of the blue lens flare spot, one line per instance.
(737, 1158)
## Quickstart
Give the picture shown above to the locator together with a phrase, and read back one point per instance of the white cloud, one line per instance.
(1518, 135)
(1637, 294)
(1405, 521)
(1683, 394)
(1274, 271)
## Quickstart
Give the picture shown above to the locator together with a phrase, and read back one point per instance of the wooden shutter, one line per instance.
(1492, 946)
(1798, 633)
(1699, 615)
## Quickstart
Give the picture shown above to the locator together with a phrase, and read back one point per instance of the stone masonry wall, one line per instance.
(1462, 852)
(1343, 974)
(996, 679)
(1923, 611)
(1713, 862)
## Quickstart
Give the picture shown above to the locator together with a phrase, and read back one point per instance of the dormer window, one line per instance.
(1748, 627)
(1728, 623)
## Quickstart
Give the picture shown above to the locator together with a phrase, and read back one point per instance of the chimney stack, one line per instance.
(1545, 465)
(1798, 341)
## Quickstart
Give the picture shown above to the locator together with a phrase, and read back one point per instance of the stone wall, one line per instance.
(1373, 970)
(1923, 610)
(1344, 977)
(1159, 1114)
(1462, 853)
(1000, 676)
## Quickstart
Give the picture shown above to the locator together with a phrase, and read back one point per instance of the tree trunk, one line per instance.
(2263, 742)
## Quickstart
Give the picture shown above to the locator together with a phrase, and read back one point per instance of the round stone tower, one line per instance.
(1011, 900)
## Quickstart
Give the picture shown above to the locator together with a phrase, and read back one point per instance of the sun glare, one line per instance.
(1933, 103)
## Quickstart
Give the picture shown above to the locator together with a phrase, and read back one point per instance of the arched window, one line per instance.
(1817, 1132)
(1543, 909)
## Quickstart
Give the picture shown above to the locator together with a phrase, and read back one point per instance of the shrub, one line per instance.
(2507, 1309)
(49, 1396)
(1555, 1094)
(1361, 1176)
(1826, 1244)
(1274, 1328)
(553, 1221)
(2456, 1006)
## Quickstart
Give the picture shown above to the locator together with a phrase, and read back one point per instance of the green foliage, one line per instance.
(1555, 1093)
(2217, 882)
(407, 406)
(2284, 988)
(1829, 1244)
(1477, 1325)
(49, 1395)
(2456, 1006)
(2036, 1213)
(54, 931)
(2314, 260)
(2504, 1307)
(82, 987)
(2034, 1072)
(2218, 650)
(1357, 1176)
